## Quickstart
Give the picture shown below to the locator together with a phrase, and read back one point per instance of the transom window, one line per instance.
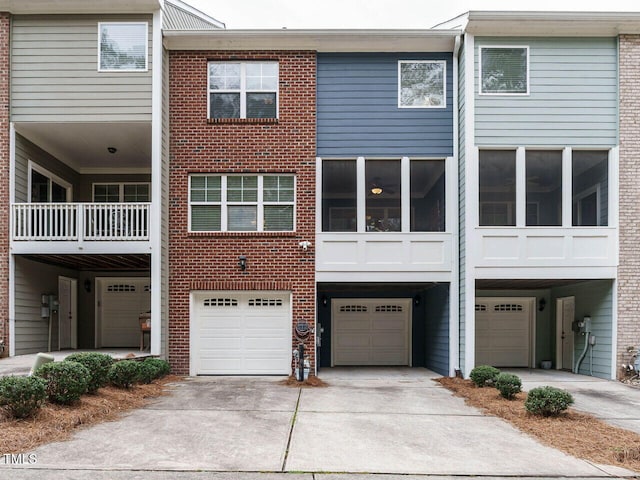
(243, 89)
(504, 70)
(122, 46)
(421, 84)
(120, 192)
(384, 208)
(239, 203)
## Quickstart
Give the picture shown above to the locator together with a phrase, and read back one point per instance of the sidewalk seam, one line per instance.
(293, 423)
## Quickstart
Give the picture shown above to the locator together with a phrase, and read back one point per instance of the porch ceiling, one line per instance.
(96, 262)
(83, 146)
(528, 284)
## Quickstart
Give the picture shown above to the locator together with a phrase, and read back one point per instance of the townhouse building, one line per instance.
(436, 198)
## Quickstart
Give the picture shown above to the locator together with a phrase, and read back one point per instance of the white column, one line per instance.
(361, 195)
(405, 194)
(567, 188)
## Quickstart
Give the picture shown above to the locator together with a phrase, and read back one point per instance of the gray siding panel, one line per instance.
(572, 100)
(54, 73)
(358, 114)
(437, 329)
(25, 151)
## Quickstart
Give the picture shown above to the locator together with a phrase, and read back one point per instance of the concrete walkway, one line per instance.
(608, 400)
(384, 421)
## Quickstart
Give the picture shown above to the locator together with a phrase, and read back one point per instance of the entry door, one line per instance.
(67, 313)
(565, 313)
(367, 331)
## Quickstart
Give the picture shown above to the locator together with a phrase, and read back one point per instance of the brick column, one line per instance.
(629, 269)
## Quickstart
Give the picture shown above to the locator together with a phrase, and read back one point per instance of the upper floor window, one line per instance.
(243, 89)
(45, 187)
(590, 188)
(504, 70)
(240, 203)
(497, 175)
(122, 46)
(384, 208)
(120, 192)
(421, 84)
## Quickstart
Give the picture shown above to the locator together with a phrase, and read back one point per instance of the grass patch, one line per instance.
(55, 423)
(572, 432)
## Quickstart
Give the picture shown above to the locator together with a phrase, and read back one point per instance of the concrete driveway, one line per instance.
(393, 421)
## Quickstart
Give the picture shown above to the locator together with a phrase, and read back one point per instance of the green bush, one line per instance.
(484, 375)
(66, 381)
(124, 374)
(547, 401)
(147, 372)
(22, 396)
(162, 366)
(98, 365)
(508, 384)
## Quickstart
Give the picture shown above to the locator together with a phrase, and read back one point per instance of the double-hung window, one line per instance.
(241, 203)
(243, 90)
(504, 70)
(421, 84)
(123, 46)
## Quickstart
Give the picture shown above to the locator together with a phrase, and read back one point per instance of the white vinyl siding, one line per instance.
(54, 74)
(572, 96)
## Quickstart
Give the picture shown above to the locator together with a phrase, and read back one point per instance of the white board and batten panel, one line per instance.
(504, 332)
(371, 331)
(241, 333)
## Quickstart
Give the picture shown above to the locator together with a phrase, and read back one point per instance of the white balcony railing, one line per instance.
(80, 221)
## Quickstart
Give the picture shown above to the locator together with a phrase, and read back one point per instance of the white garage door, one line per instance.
(370, 331)
(247, 333)
(120, 303)
(503, 332)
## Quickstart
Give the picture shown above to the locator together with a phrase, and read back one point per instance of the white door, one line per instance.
(241, 333)
(67, 313)
(367, 331)
(504, 329)
(120, 302)
(565, 314)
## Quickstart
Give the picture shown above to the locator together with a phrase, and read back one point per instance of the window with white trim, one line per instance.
(421, 84)
(123, 47)
(45, 187)
(241, 203)
(504, 70)
(120, 192)
(243, 89)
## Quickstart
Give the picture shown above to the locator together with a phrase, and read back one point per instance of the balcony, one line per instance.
(80, 227)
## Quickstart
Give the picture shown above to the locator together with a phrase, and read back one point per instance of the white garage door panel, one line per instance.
(503, 327)
(238, 333)
(121, 301)
(371, 331)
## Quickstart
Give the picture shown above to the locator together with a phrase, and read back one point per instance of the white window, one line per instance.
(421, 84)
(243, 89)
(241, 203)
(504, 70)
(120, 192)
(123, 47)
(45, 187)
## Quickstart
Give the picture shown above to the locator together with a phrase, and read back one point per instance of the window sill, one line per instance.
(242, 121)
(243, 234)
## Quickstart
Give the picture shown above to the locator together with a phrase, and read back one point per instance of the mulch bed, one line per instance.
(577, 434)
(312, 381)
(55, 423)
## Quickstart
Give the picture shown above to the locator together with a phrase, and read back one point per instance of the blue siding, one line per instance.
(358, 114)
(437, 329)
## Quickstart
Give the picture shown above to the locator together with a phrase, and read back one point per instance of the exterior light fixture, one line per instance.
(112, 150)
(87, 285)
(242, 262)
(541, 304)
(376, 190)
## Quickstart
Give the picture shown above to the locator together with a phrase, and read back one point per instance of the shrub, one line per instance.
(22, 396)
(508, 384)
(484, 375)
(124, 374)
(547, 401)
(147, 372)
(98, 365)
(66, 381)
(162, 366)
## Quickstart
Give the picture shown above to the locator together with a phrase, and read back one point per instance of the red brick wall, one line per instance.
(209, 260)
(5, 20)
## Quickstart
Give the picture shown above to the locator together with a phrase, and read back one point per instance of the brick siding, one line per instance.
(208, 261)
(629, 266)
